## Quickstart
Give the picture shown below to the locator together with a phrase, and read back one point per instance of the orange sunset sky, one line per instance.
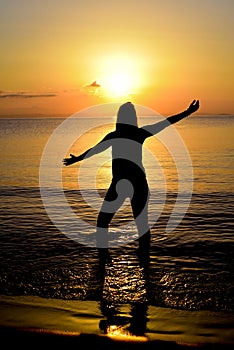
(160, 54)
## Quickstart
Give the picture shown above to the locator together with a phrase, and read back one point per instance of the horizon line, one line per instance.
(64, 115)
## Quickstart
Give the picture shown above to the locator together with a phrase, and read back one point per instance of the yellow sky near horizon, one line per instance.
(158, 54)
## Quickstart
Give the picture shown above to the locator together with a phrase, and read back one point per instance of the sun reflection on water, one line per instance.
(124, 302)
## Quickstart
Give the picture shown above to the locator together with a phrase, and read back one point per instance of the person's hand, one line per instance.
(193, 107)
(71, 160)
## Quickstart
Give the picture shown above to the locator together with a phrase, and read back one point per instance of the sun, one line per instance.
(120, 76)
(119, 84)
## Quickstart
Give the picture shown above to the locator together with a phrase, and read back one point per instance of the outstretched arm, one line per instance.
(155, 128)
(99, 147)
(193, 107)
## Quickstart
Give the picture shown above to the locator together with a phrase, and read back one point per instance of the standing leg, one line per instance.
(139, 204)
(112, 202)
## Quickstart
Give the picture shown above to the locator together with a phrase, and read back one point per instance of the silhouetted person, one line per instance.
(128, 174)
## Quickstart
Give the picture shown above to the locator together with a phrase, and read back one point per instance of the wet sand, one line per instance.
(29, 338)
(30, 322)
(35, 338)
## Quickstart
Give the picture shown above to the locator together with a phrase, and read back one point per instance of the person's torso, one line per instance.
(127, 150)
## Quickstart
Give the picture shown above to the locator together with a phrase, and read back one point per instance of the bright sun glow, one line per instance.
(119, 84)
(120, 76)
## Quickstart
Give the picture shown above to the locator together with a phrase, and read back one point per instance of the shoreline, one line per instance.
(30, 320)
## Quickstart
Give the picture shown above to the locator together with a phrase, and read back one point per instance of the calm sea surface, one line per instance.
(191, 266)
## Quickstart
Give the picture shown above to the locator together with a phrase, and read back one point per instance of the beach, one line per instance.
(117, 175)
(51, 288)
(34, 320)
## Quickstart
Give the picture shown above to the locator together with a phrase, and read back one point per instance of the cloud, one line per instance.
(25, 95)
(92, 89)
(94, 84)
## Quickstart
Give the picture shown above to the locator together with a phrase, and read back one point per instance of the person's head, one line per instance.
(126, 115)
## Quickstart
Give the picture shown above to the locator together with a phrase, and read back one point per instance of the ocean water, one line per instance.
(191, 266)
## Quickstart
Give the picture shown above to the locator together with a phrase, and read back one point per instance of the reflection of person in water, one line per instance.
(128, 174)
(133, 324)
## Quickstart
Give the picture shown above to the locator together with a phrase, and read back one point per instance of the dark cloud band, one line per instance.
(25, 95)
